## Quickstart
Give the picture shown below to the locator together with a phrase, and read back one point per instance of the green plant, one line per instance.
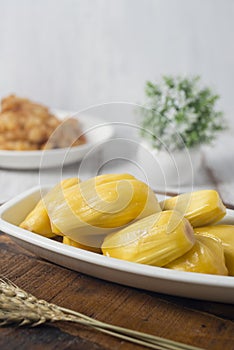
(179, 113)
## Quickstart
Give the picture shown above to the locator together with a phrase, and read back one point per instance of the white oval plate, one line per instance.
(161, 280)
(96, 131)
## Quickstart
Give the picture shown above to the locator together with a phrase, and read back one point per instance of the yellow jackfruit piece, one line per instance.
(87, 185)
(155, 240)
(38, 220)
(101, 204)
(200, 207)
(102, 179)
(69, 241)
(226, 234)
(206, 256)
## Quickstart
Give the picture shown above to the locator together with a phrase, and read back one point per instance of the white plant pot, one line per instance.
(165, 169)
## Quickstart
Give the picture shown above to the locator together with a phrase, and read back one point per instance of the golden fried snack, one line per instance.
(68, 134)
(26, 125)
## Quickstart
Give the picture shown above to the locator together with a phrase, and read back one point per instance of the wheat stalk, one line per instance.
(21, 308)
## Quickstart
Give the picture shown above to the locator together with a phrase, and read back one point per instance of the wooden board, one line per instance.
(203, 324)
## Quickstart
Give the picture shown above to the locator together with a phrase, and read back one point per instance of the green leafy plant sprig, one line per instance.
(179, 113)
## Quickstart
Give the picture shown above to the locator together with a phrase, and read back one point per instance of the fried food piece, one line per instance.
(26, 125)
(68, 134)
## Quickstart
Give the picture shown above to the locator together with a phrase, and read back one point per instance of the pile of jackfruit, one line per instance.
(120, 217)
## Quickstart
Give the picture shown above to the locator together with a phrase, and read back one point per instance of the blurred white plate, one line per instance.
(97, 132)
(161, 280)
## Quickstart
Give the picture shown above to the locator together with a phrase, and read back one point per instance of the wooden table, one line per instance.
(203, 324)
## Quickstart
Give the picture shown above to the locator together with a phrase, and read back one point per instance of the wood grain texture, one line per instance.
(189, 321)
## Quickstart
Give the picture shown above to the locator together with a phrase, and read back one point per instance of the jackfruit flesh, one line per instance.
(226, 234)
(155, 240)
(69, 241)
(101, 204)
(200, 208)
(38, 220)
(206, 256)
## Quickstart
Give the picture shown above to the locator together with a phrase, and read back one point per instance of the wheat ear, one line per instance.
(21, 308)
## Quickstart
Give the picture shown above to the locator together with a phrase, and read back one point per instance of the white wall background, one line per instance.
(75, 53)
